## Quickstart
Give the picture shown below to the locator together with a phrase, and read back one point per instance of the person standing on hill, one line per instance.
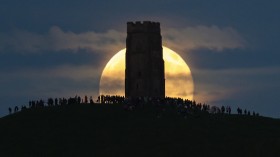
(86, 99)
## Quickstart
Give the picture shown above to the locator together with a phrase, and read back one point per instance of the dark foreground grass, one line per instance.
(108, 130)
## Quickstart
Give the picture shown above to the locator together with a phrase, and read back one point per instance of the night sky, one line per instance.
(51, 48)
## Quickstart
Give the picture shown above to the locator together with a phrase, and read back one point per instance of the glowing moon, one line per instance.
(178, 78)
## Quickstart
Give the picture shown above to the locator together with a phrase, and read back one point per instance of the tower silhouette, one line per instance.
(144, 68)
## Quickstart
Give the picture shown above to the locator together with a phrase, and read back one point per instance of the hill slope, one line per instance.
(108, 130)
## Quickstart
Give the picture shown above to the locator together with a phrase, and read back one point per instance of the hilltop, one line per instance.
(109, 130)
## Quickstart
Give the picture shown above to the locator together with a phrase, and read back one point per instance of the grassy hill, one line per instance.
(109, 130)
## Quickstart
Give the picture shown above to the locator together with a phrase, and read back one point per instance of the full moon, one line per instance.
(178, 77)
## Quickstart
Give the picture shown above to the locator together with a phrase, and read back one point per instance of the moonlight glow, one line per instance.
(178, 78)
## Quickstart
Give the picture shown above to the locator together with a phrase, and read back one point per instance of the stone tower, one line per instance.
(144, 65)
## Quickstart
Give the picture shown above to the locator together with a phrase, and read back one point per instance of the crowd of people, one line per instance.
(246, 112)
(34, 104)
(183, 106)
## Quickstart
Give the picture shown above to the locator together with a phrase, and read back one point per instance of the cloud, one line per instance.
(217, 86)
(203, 37)
(64, 80)
(183, 39)
(72, 72)
(108, 41)
(59, 40)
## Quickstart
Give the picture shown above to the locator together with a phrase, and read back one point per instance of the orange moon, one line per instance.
(178, 77)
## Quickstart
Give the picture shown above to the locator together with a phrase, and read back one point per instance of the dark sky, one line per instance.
(51, 48)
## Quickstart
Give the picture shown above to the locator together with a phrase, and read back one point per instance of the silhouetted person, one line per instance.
(15, 109)
(55, 101)
(79, 99)
(86, 99)
(30, 104)
(90, 100)
(102, 99)
(223, 109)
(228, 110)
(10, 110)
(64, 101)
(98, 99)
(239, 110)
(50, 102)
(33, 104)
(23, 108)
(72, 101)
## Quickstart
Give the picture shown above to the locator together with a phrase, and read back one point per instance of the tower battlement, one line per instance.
(143, 27)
